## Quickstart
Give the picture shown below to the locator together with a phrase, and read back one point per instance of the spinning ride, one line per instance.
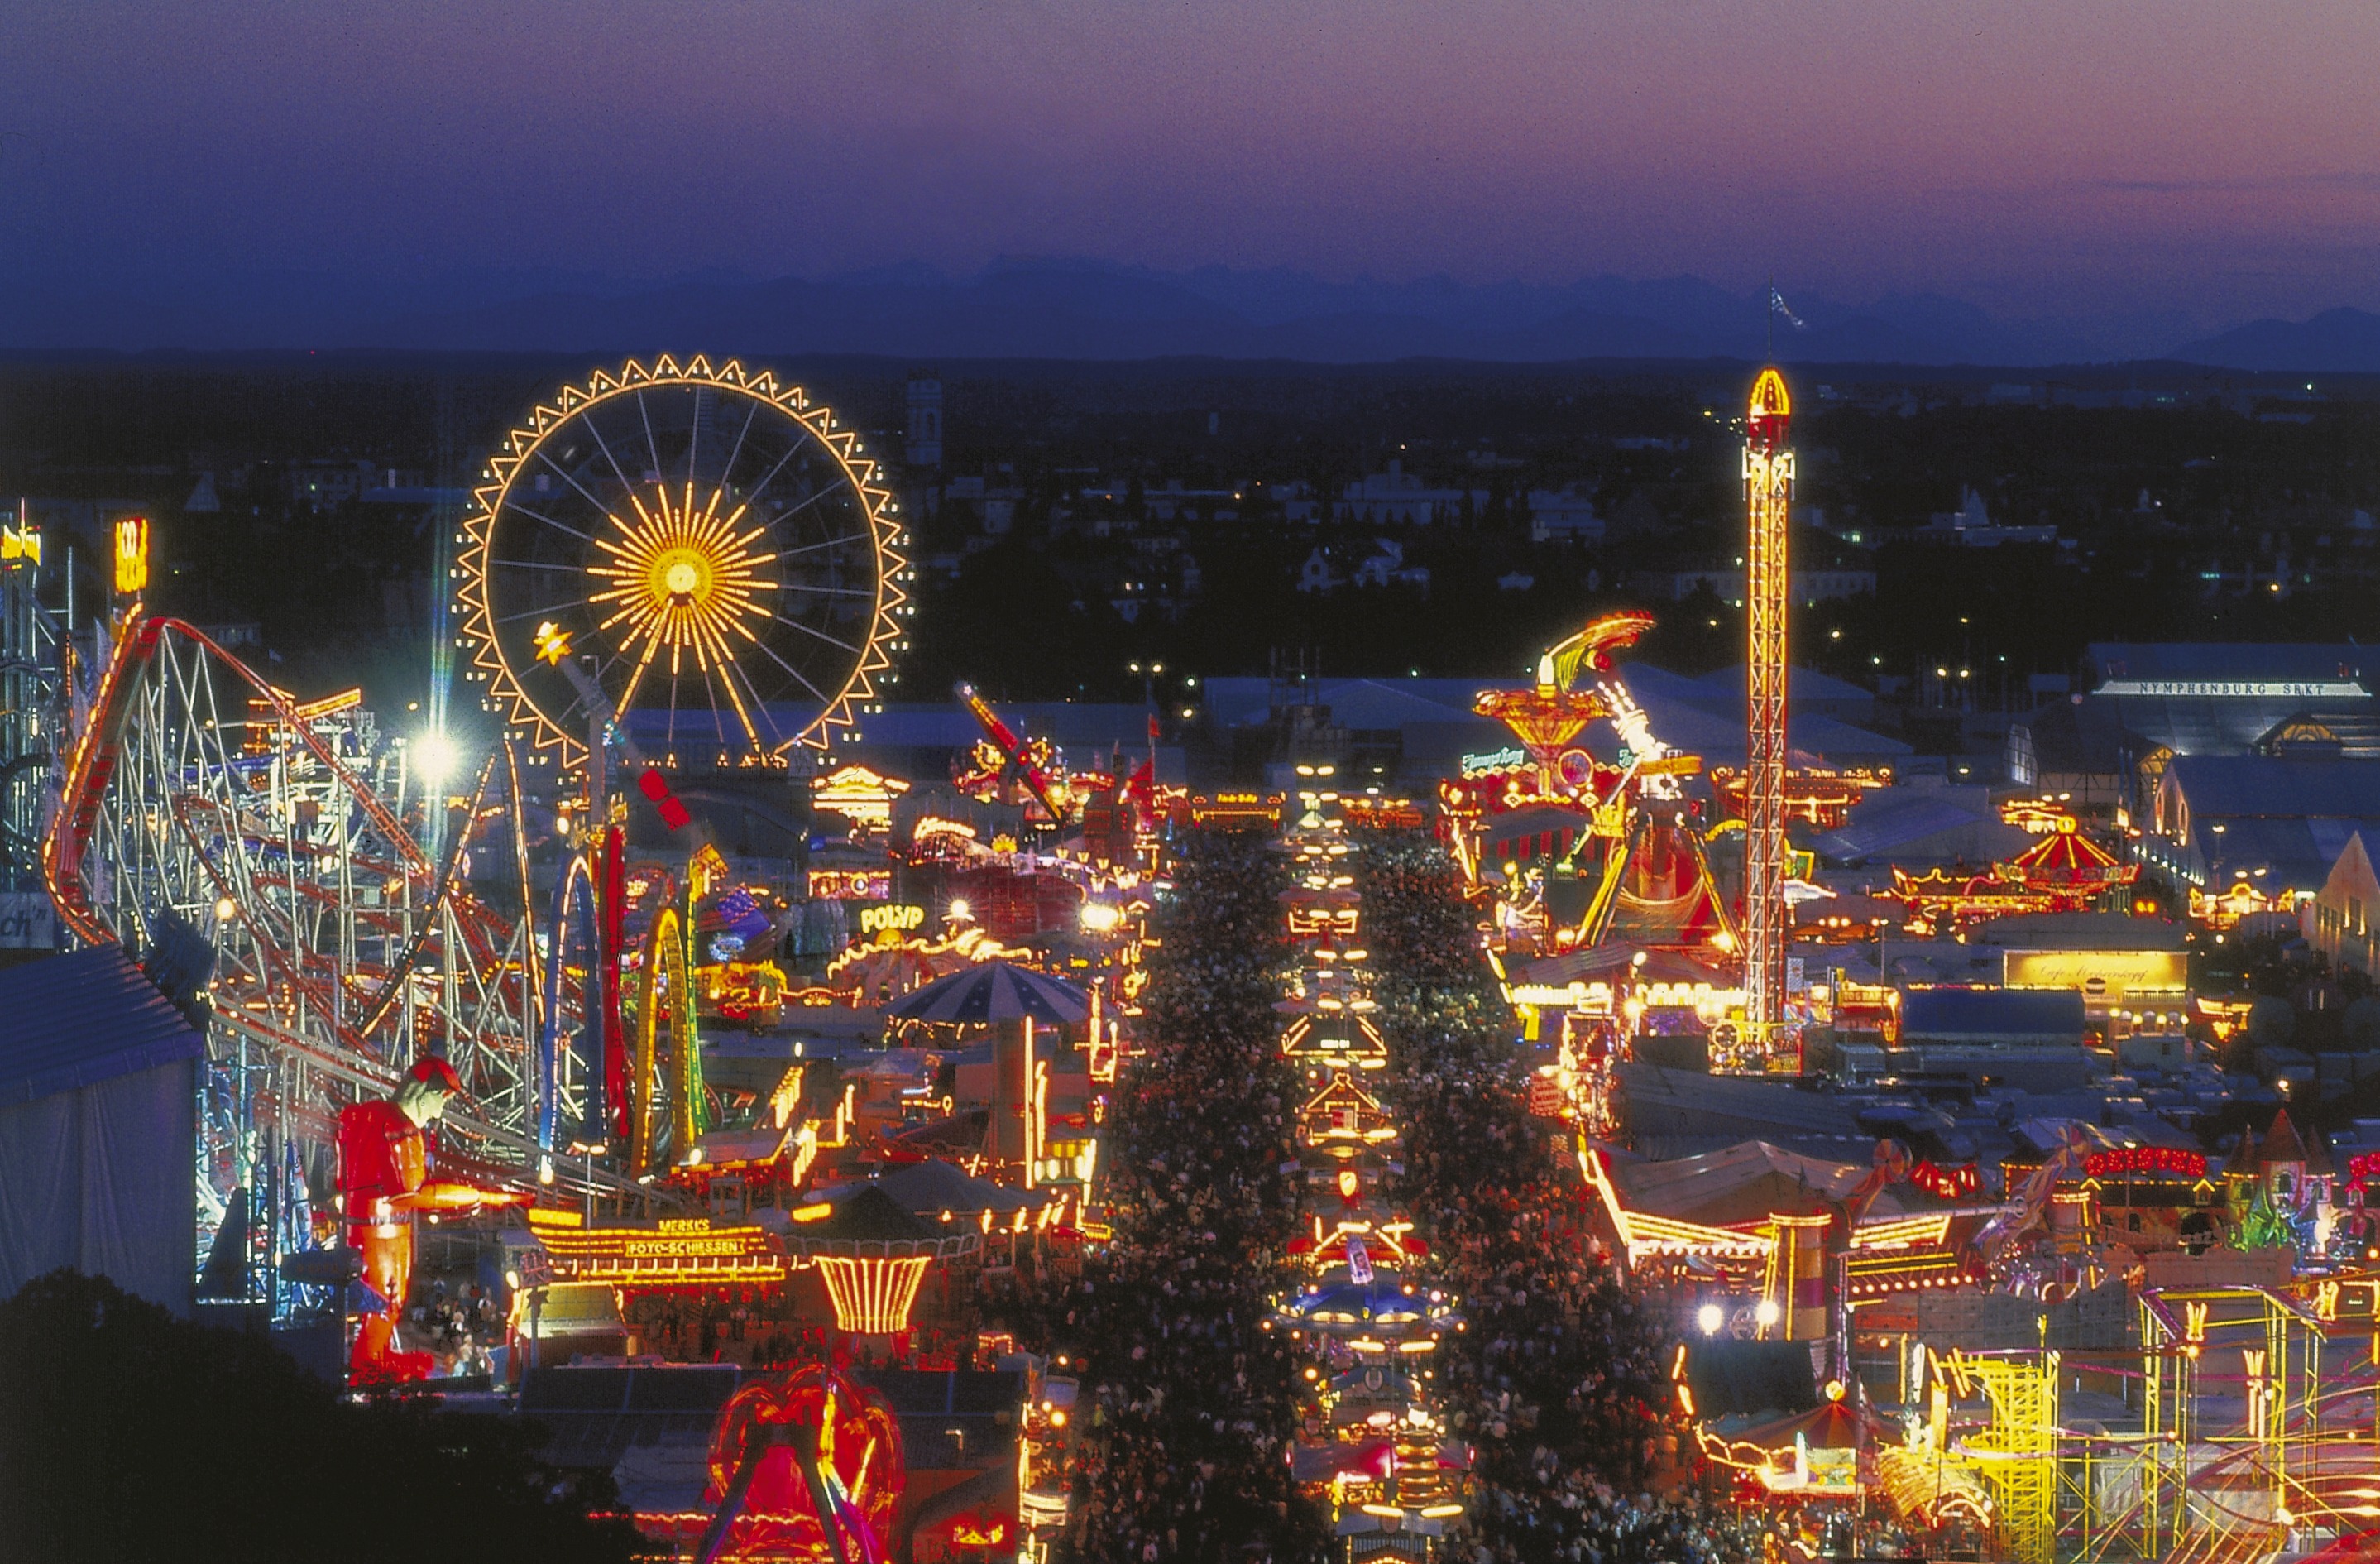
(708, 543)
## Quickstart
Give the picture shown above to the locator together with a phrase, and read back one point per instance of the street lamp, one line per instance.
(590, 1150)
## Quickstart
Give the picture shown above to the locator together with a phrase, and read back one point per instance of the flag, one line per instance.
(1155, 732)
(1776, 305)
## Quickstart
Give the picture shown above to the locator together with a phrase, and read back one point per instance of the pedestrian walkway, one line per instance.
(1372, 1444)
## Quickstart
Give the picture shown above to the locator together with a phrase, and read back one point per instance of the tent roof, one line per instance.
(1829, 1426)
(992, 992)
(868, 1214)
(935, 1185)
(77, 1019)
(1743, 1183)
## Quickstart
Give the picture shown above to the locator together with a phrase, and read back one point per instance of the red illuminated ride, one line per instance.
(1030, 764)
(804, 1465)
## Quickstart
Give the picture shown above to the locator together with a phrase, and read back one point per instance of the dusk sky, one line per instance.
(2036, 156)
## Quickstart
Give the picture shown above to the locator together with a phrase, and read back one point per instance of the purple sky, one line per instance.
(2038, 156)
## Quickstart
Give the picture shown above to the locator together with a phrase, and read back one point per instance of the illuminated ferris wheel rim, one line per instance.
(613, 582)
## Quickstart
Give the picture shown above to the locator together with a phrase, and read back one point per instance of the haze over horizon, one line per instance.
(2131, 173)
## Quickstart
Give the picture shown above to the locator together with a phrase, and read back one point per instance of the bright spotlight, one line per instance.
(1710, 1316)
(1767, 1313)
(435, 758)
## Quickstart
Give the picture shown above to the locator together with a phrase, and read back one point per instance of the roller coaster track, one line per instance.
(197, 802)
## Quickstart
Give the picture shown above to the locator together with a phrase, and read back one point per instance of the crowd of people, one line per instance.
(1188, 1402)
(1558, 1381)
(459, 1325)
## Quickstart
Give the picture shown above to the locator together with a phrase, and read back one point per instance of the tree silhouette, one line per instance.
(127, 1434)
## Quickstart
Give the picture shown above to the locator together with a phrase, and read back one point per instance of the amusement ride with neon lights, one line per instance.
(715, 544)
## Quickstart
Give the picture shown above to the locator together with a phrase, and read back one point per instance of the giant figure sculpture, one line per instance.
(383, 1174)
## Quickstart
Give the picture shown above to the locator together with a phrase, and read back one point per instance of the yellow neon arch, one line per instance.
(665, 982)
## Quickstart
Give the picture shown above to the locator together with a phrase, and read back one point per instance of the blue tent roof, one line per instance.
(80, 1018)
(992, 992)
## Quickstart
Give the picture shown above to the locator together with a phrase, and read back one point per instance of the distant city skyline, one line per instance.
(2181, 159)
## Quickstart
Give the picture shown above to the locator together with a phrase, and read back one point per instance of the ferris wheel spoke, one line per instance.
(806, 629)
(540, 516)
(770, 476)
(547, 611)
(770, 652)
(729, 672)
(652, 446)
(727, 472)
(535, 565)
(711, 689)
(840, 481)
(636, 675)
(826, 592)
(813, 548)
(595, 430)
(570, 478)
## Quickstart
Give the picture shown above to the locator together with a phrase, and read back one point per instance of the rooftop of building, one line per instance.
(2222, 662)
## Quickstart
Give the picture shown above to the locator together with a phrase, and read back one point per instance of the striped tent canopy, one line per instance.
(992, 992)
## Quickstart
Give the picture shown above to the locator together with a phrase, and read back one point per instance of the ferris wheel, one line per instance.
(710, 545)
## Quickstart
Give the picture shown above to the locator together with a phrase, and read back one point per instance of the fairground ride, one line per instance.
(265, 862)
(1768, 492)
(1617, 830)
(698, 566)
(712, 546)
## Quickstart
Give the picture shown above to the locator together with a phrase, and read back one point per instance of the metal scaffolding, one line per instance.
(265, 859)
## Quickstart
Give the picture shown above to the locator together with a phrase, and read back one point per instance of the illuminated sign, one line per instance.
(1493, 760)
(2129, 1161)
(2249, 688)
(977, 1531)
(1236, 807)
(890, 920)
(131, 556)
(2111, 974)
(859, 794)
(850, 884)
(690, 1251)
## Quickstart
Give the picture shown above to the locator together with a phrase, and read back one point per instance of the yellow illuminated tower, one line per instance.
(1768, 599)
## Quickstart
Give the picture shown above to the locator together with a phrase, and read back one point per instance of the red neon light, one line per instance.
(654, 786)
(1946, 1183)
(2129, 1160)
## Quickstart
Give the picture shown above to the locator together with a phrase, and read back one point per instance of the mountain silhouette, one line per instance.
(1034, 307)
(2336, 341)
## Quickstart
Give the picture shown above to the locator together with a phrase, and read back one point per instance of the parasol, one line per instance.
(991, 993)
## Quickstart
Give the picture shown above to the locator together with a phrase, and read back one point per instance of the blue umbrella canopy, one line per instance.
(992, 992)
